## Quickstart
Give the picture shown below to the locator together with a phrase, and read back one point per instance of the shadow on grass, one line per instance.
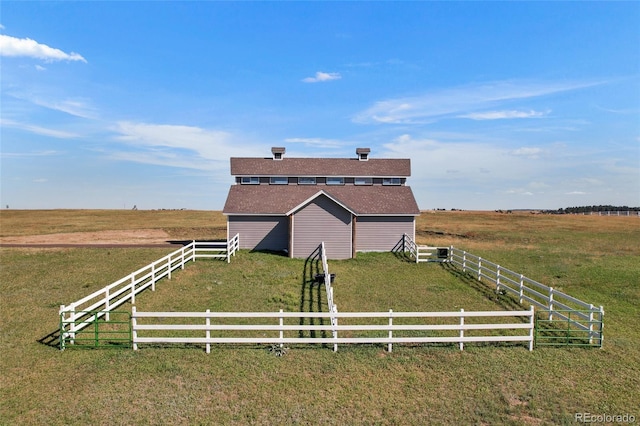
(310, 293)
(505, 301)
(52, 339)
(400, 252)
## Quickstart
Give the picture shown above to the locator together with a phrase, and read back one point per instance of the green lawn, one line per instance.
(360, 384)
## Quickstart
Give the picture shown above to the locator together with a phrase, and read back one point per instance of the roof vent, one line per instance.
(363, 153)
(277, 152)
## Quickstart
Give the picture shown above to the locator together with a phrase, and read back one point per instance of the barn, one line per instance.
(293, 204)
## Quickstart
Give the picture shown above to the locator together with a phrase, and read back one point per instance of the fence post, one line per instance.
(532, 325)
(464, 261)
(461, 329)
(193, 247)
(281, 329)
(133, 289)
(107, 305)
(153, 276)
(134, 332)
(591, 324)
(602, 324)
(390, 345)
(550, 303)
(62, 327)
(208, 334)
(72, 325)
(497, 278)
(182, 258)
(335, 331)
(479, 269)
(521, 287)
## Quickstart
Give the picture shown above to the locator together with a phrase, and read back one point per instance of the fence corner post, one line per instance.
(532, 324)
(62, 327)
(602, 323)
(134, 331)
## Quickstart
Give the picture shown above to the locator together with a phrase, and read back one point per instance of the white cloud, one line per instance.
(180, 146)
(322, 77)
(59, 134)
(47, 153)
(500, 115)
(459, 101)
(12, 46)
(78, 107)
(576, 193)
(40, 68)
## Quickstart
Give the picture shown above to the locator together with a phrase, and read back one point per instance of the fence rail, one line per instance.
(558, 305)
(391, 331)
(80, 314)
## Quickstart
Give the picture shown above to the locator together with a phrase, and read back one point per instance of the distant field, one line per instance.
(594, 258)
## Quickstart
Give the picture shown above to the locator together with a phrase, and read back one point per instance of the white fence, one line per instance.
(560, 306)
(424, 253)
(81, 313)
(613, 213)
(209, 328)
(333, 308)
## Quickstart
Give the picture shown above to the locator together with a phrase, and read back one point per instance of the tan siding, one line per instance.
(322, 220)
(382, 233)
(260, 232)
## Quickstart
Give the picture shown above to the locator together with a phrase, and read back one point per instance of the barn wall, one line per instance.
(382, 233)
(322, 220)
(260, 232)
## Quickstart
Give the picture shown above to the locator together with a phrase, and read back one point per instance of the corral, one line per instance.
(581, 323)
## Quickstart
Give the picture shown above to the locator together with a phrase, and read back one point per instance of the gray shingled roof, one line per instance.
(381, 167)
(281, 199)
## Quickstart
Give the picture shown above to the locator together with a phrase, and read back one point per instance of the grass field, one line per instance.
(596, 259)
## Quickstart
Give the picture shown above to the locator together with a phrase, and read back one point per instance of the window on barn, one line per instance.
(279, 180)
(391, 181)
(252, 180)
(335, 180)
(363, 181)
(306, 181)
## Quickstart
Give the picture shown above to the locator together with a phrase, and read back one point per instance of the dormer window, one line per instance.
(278, 180)
(306, 180)
(278, 152)
(363, 181)
(363, 153)
(250, 180)
(391, 181)
(332, 180)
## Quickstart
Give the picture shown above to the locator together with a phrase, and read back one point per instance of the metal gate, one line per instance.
(96, 329)
(569, 328)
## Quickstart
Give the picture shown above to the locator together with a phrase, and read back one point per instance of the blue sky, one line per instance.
(499, 105)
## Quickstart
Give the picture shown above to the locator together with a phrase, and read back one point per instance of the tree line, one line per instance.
(593, 209)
